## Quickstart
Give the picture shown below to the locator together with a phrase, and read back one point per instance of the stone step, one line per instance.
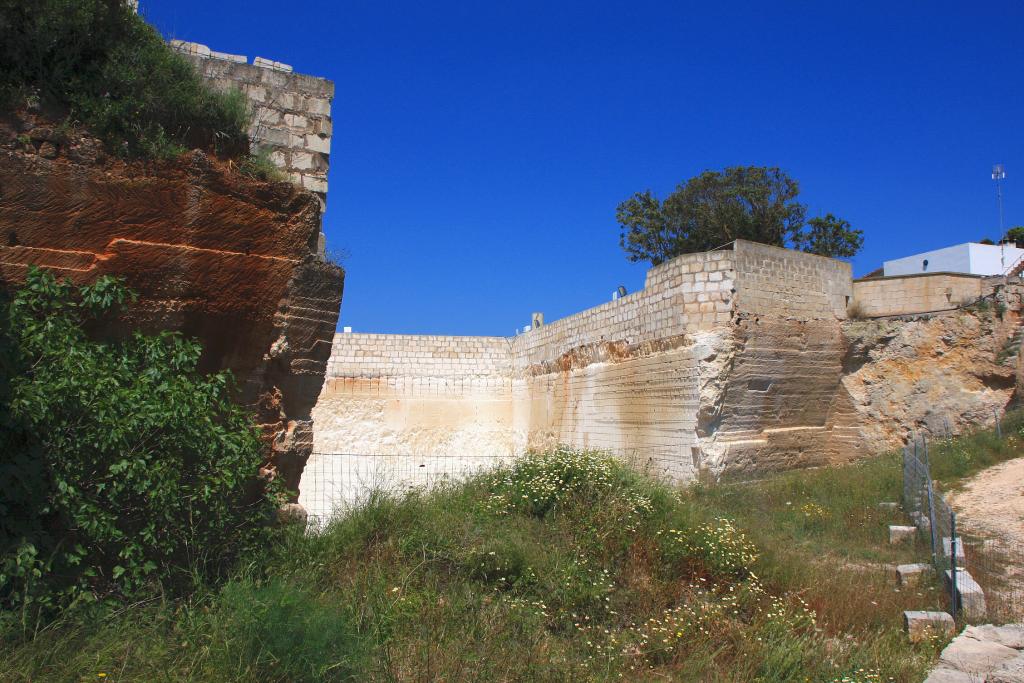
(924, 625)
(968, 593)
(911, 574)
(901, 534)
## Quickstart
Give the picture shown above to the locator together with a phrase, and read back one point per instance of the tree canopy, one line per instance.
(716, 207)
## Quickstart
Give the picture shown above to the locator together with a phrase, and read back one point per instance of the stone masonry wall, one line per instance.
(731, 361)
(910, 294)
(790, 284)
(291, 112)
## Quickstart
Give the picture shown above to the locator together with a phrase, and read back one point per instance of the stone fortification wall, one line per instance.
(291, 112)
(733, 361)
(391, 394)
(911, 294)
(782, 282)
(688, 294)
(668, 375)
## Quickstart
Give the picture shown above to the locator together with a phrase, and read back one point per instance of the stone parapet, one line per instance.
(291, 119)
(911, 294)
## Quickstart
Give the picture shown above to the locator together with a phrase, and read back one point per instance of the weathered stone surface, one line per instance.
(930, 374)
(949, 674)
(1011, 671)
(211, 253)
(911, 574)
(901, 534)
(982, 654)
(976, 656)
(969, 594)
(1010, 635)
(924, 625)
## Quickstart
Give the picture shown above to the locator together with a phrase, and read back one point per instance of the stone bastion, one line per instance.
(736, 360)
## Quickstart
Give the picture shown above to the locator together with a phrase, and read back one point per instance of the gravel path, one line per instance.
(992, 502)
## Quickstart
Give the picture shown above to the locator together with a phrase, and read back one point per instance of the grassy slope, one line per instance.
(596, 574)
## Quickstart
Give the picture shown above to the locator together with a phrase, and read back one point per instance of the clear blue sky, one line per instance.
(480, 148)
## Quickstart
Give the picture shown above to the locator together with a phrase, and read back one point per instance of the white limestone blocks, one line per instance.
(901, 534)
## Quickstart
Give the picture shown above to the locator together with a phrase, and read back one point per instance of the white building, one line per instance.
(970, 257)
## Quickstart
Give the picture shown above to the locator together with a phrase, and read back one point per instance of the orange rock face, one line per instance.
(217, 256)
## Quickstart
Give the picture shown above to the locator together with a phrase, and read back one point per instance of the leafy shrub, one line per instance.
(719, 546)
(98, 62)
(120, 464)
(539, 481)
(261, 167)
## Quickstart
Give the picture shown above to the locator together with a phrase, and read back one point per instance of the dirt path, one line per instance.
(992, 502)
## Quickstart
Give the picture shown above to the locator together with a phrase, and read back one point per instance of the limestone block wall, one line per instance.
(790, 284)
(690, 293)
(910, 294)
(291, 112)
(391, 394)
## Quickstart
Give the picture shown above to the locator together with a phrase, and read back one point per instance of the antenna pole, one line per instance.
(998, 174)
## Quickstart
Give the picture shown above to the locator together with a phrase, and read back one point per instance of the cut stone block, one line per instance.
(968, 593)
(924, 625)
(888, 506)
(910, 574)
(271, 64)
(901, 534)
(960, 557)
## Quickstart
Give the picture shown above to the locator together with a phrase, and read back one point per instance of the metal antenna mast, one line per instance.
(999, 174)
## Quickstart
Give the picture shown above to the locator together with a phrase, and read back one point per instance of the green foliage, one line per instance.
(1016, 235)
(713, 209)
(259, 166)
(710, 210)
(102, 65)
(954, 460)
(618, 577)
(829, 236)
(121, 466)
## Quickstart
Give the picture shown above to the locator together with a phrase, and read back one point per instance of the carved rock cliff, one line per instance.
(215, 255)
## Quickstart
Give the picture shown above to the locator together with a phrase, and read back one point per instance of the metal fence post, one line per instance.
(931, 517)
(952, 563)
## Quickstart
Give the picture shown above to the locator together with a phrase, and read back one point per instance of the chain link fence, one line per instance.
(983, 571)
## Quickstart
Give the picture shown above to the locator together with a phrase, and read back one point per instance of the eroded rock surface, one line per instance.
(929, 375)
(212, 254)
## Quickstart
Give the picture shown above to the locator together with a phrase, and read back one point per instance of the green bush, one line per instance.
(120, 465)
(100, 64)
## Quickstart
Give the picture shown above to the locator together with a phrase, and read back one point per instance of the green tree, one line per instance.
(120, 465)
(1016, 235)
(717, 207)
(712, 209)
(829, 236)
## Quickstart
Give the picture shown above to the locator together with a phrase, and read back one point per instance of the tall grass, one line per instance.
(564, 567)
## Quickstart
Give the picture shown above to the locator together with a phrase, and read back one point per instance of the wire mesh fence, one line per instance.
(336, 482)
(982, 571)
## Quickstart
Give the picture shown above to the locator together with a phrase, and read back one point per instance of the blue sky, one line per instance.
(480, 149)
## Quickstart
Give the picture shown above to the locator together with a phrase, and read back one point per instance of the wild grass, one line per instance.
(567, 566)
(954, 460)
(95, 62)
